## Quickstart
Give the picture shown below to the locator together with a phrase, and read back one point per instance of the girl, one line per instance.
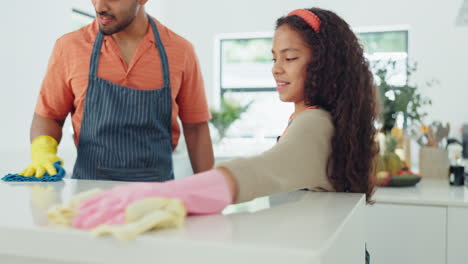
(328, 145)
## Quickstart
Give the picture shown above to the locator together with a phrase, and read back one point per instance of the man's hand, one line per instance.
(43, 153)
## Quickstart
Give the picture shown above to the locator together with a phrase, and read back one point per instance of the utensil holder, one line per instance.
(434, 162)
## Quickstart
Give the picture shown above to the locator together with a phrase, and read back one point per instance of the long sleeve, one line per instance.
(299, 160)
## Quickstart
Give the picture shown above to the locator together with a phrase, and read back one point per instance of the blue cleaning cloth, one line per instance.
(46, 178)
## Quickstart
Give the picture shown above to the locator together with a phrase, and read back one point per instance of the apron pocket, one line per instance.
(129, 175)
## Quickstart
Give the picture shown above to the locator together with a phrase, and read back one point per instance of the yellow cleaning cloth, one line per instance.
(140, 216)
(62, 214)
(145, 215)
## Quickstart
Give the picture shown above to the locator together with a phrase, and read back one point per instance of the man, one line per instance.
(124, 78)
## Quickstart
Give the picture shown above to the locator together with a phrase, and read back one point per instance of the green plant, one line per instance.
(405, 100)
(228, 113)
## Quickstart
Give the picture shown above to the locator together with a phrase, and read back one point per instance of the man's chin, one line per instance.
(106, 31)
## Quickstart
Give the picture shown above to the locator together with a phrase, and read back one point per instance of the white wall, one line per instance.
(31, 28)
(28, 36)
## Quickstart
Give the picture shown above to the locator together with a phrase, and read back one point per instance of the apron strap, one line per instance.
(95, 55)
(162, 53)
(159, 45)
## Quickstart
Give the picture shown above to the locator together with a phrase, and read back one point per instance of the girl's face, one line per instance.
(291, 55)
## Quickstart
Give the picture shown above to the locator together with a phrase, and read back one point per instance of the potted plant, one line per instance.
(403, 100)
(226, 115)
(399, 99)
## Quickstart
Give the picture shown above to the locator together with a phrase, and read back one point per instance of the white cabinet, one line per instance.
(427, 223)
(457, 235)
(407, 234)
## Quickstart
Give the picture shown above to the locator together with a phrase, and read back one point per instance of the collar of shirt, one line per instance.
(109, 44)
(92, 32)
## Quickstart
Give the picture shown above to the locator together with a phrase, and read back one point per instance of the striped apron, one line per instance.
(125, 132)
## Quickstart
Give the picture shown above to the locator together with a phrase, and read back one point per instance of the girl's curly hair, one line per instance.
(339, 81)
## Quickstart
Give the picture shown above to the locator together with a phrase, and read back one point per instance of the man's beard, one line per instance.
(129, 17)
(119, 27)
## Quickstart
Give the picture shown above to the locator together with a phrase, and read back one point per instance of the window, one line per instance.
(245, 76)
(381, 46)
(245, 64)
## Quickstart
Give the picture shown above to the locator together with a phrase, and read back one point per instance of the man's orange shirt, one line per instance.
(64, 87)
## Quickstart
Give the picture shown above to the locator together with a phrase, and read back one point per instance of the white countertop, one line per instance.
(435, 192)
(299, 227)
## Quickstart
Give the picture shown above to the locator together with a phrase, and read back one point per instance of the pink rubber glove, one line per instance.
(203, 193)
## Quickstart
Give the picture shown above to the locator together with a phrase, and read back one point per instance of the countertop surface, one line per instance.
(301, 224)
(436, 192)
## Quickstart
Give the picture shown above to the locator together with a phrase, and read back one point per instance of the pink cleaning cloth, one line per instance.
(203, 193)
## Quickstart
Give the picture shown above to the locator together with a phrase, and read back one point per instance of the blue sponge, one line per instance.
(46, 178)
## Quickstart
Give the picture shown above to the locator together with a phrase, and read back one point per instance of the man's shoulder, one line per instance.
(171, 38)
(85, 34)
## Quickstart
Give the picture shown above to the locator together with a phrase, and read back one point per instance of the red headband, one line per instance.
(310, 18)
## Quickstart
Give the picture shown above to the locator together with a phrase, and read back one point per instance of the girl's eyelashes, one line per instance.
(287, 59)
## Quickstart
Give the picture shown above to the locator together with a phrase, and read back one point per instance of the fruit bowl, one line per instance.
(403, 178)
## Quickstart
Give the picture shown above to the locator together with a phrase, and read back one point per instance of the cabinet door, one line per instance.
(406, 234)
(457, 235)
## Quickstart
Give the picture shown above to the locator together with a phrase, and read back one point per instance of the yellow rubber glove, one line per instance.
(43, 154)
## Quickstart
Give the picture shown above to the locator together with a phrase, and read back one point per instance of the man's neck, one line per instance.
(135, 31)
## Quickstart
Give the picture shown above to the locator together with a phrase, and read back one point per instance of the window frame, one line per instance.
(219, 62)
(219, 91)
(388, 29)
(264, 35)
